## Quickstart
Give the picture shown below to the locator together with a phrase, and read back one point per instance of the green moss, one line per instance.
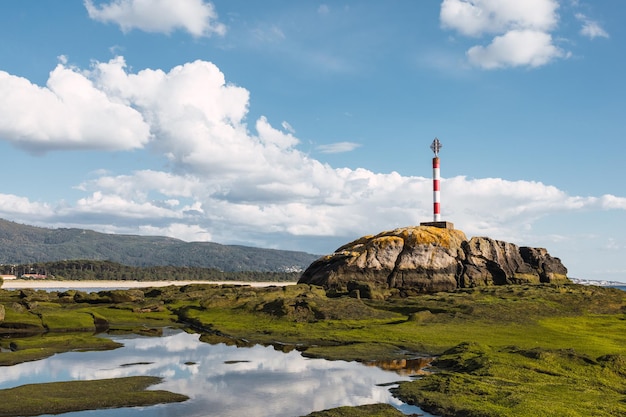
(480, 381)
(67, 320)
(37, 347)
(17, 318)
(65, 397)
(373, 410)
(564, 335)
(525, 278)
(128, 318)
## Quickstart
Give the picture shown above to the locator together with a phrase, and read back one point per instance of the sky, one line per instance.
(303, 125)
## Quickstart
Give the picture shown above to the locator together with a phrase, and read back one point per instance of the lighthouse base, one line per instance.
(441, 225)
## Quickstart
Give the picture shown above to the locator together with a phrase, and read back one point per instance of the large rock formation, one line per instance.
(430, 259)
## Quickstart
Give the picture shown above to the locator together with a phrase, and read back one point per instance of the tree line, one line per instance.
(83, 270)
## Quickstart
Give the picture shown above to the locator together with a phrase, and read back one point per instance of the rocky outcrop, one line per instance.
(431, 259)
(493, 262)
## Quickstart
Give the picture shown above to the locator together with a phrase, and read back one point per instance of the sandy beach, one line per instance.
(17, 284)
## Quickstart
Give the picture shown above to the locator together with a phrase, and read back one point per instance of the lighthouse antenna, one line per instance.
(436, 146)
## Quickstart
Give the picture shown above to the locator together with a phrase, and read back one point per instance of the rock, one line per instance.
(2, 312)
(550, 269)
(422, 258)
(123, 296)
(429, 259)
(493, 262)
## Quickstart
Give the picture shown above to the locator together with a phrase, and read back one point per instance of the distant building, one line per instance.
(34, 276)
(8, 277)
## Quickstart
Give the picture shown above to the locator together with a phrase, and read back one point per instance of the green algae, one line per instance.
(477, 380)
(18, 319)
(373, 410)
(558, 333)
(40, 346)
(550, 349)
(70, 396)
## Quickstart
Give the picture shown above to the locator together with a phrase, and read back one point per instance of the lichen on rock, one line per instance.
(431, 259)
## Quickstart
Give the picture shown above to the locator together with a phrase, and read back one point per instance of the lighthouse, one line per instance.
(436, 147)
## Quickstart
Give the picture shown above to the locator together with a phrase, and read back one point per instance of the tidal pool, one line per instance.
(220, 380)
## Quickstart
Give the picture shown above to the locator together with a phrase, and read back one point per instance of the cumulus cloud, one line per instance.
(228, 179)
(197, 17)
(515, 48)
(477, 17)
(343, 203)
(609, 201)
(69, 113)
(15, 206)
(521, 28)
(591, 28)
(109, 204)
(182, 231)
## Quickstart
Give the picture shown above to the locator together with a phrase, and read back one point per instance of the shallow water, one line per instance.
(220, 380)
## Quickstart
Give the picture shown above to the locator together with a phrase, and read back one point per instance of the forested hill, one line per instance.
(22, 244)
(81, 270)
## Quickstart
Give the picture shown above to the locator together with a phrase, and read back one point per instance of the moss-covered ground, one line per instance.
(526, 350)
(65, 397)
(373, 410)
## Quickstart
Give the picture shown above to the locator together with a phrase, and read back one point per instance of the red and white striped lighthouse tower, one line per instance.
(437, 222)
(436, 146)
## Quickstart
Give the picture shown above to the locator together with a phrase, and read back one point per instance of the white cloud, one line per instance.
(515, 48)
(609, 201)
(235, 184)
(288, 127)
(522, 30)
(141, 182)
(69, 113)
(197, 17)
(197, 119)
(186, 232)
(338, 147)
(12, 206)
(113, 205)
(591, 28)
(343, 203)
(477, 17)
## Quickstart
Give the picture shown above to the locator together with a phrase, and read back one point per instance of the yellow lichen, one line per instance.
(414, 235)
(386, 241)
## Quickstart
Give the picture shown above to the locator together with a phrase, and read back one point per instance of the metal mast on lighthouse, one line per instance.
(437, 222)
(436, 146)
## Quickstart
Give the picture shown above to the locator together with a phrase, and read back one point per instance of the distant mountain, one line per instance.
(21, 244)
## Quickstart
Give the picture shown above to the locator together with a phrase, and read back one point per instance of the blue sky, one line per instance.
(304, 125)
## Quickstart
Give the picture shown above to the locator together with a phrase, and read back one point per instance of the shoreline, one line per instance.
(19, 284)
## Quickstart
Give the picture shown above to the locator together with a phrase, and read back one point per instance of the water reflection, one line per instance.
(221, 380)
(404, 366)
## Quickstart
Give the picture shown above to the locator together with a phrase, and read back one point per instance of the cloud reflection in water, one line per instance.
(220, 380)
